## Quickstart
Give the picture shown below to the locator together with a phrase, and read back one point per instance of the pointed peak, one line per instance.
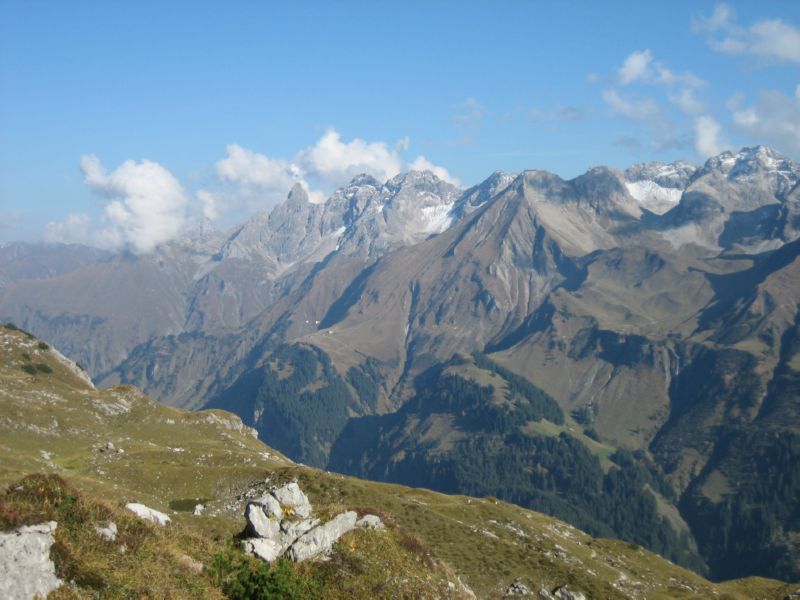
(297, 194)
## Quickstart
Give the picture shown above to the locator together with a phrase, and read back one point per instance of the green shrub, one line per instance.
(245, 578)
(29, 369)
(43, 368)
(43, 346)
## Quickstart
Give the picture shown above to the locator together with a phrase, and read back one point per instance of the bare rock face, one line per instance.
(26, 570)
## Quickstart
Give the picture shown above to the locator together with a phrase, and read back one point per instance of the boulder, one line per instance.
(26, 570)
(259, 524)
(294, 529)
(517, 588)
(266, 550)
(108, 533)
(272, 508)
(148, 514)
(198, 510)
(322, 538)
(564, 593)
(370, 522)
(291, 496)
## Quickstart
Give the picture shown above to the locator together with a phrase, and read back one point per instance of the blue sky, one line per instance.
(122, 122)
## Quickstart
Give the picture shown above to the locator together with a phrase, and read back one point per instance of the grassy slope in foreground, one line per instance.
(51, 420)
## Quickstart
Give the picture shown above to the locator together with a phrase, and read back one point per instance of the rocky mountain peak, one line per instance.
(479, 194)
(297, 194)
(753, 161)
(603, 189)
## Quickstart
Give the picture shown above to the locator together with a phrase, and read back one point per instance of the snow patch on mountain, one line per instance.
(654, 197)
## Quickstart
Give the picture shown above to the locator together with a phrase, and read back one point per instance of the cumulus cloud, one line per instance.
(774, 118)
(248, 168)
(334, 161)
(770, 39)
(635, 67)
(708, 134)
(423, 164)
(145, 206)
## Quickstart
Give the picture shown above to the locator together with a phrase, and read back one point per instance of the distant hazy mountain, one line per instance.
(414, 332)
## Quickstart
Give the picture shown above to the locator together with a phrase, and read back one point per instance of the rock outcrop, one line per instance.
(148, 514)
(564, 593)
(280, 523)
(26, 570)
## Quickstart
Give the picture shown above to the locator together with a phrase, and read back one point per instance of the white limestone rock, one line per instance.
(322, 538)
(370, 522)
(259, 524)
(148, 514)
(26, 570)
(272, 508)
(265, 549)
(291, 496)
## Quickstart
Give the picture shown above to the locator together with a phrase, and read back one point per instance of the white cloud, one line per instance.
(774, 118)
(334, 162)
(248, 168)
(635, 110)
(707, 136)
(640, 66)
(72, 230)
(635, 67)
(771, 39)
(209, 204)
(145, 206)
(719, 19)
(423, 164)
(686, 100)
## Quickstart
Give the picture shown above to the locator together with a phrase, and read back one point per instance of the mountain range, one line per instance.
(621, 350)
